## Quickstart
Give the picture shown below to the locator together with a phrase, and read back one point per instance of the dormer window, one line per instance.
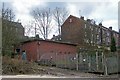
(70, 20)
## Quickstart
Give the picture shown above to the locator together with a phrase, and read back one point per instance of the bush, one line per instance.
(15, 66)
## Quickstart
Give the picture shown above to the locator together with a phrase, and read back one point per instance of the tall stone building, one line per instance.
(86, 32)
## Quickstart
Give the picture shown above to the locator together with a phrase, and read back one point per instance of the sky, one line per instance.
(101, 11)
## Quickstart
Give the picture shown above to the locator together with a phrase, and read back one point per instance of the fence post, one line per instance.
(106, 69)
(89, 64)
(77, 62)
(97, 60)
(102, 61)
(105, 64)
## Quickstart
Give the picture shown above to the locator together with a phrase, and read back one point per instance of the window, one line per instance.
(85, 34)
(108, 34)
(96, 29)
(92, 35)
(108, 40)
(70, 20)
(87, 41)
(97, 36)
(91, 41)
(99, 30)
(85, 26)
(90, 27)
(103, 31)
(92, 38)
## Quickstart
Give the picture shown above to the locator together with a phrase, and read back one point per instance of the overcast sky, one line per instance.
(105, 11)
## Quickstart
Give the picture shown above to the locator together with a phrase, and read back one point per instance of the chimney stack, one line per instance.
(110, 28)
(88, 20)
(82, 17)
(100, 24)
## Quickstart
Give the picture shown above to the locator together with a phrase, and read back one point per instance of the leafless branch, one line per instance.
(43, 21)
(60, 15)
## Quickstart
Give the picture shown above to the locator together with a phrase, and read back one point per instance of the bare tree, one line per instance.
(60, 15)
(9, 31)
(43, 20)
(7, 13)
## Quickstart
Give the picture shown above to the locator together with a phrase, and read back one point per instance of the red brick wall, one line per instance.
(73, 31)
(55, 49)
(46, 50)
(30, 49)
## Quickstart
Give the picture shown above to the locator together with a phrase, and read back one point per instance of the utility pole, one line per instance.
(3, 10)
(56, 59)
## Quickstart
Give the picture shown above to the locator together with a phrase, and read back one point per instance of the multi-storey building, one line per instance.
(13, 28)
(86, 32)
(12, 33)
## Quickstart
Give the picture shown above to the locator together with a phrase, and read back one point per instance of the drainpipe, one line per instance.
(106, 69)
(38, 43)
(37, 49)
(56, 59)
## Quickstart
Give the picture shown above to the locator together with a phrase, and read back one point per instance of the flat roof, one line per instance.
(59, 42)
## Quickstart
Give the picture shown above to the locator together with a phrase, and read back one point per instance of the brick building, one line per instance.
(51, 52)
(86, 32)
(19, 29)
(12, 33)
(15, 27)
